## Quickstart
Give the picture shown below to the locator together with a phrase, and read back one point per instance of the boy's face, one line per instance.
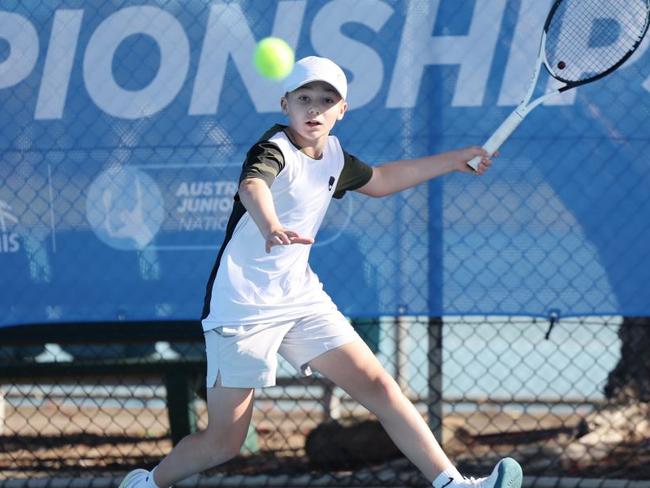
(313, 109)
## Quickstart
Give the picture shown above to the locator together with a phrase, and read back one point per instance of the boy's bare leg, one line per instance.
(355, 368)
(229, 415)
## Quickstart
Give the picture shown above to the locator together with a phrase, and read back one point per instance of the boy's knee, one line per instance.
(385, 388)
(226, 454)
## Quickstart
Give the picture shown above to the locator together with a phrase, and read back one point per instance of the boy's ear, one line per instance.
(344, 108)
(284, 105)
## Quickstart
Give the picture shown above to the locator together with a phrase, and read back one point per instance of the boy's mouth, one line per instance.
(313, 123)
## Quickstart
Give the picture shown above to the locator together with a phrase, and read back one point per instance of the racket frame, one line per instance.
(526, 106)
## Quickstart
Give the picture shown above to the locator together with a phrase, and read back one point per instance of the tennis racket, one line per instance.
(583, 41)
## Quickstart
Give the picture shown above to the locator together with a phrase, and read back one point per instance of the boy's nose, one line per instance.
(314, 109)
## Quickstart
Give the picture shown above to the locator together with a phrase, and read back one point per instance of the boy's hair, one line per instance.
(314, 68)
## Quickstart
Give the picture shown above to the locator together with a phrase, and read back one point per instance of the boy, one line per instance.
(262, 297)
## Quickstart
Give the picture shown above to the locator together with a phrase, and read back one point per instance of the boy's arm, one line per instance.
(396, 176)
(256, 197)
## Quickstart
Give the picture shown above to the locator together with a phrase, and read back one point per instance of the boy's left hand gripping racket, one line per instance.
(582, 41)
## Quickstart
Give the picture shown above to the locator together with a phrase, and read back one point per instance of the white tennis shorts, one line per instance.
(245, 356)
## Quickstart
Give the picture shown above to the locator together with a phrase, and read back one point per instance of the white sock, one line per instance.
(149, 482)
(447, 478)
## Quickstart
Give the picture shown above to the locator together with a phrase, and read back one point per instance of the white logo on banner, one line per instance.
(125, 208)
(231, 30)
(8, 240)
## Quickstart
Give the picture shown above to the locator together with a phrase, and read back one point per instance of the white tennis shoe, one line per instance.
(135, 479)
(506, 474)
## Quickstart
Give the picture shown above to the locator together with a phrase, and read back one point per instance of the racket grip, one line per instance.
(493, 144)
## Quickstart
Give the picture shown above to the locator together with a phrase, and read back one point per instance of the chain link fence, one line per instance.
(546, 394)
(123, 126)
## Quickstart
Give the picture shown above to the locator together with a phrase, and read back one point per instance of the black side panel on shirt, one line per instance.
(238, 211)
(355, 174)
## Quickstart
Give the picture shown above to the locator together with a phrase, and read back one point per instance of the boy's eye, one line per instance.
(303, 98)
(329, 101)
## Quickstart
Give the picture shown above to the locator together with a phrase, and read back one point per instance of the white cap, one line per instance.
(313, 68)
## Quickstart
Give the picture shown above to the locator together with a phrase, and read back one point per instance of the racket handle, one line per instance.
(500, 135)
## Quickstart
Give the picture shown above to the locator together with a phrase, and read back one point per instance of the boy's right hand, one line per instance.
(283, 237)
(465, 155)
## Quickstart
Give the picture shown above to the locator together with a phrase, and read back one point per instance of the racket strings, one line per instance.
(586, 38)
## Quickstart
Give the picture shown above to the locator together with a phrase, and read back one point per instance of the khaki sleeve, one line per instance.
(264, 161)
(355, 174)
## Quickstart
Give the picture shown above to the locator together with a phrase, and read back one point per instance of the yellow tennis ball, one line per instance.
(273, 58)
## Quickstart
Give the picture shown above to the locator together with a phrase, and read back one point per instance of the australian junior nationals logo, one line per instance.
(204, 205)
(9, 241)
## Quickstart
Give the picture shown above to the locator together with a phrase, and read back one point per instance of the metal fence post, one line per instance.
(434, 378)
(400, 336)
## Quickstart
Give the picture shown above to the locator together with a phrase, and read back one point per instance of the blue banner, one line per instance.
(124, 126)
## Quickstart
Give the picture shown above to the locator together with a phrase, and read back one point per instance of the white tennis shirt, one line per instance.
(248, 286)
